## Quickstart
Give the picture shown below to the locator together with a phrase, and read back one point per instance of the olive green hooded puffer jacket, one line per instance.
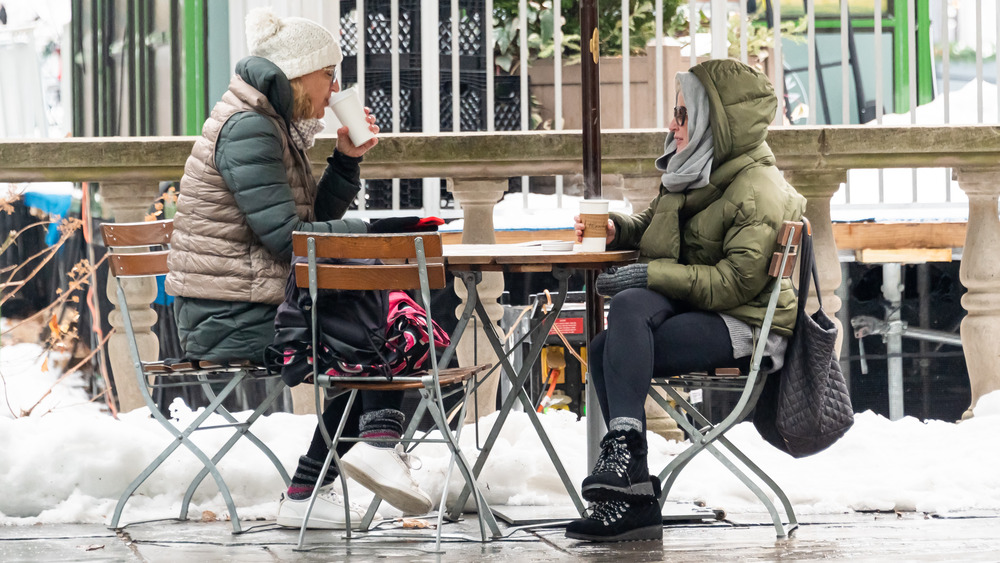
(710, 246)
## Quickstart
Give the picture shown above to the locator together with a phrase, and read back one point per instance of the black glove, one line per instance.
(411, 224)
(614, 281)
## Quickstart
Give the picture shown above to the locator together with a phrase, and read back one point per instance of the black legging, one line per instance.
(649, 333)
(366, 401)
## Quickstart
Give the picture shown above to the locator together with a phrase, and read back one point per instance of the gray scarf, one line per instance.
(304, 132)
(690, 168)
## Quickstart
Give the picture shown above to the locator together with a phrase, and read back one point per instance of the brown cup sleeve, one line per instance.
(594, 224)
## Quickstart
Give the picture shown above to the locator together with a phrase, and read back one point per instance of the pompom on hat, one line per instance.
(296, 45)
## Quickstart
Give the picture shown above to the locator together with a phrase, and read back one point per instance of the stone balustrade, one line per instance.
(815, 160)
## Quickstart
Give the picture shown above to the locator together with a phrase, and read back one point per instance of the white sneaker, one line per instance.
(386, 472)
(327, 513)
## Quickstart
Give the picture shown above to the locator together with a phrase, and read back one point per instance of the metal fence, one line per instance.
(842, 61)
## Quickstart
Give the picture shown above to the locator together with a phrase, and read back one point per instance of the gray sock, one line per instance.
(306, 475)
(384, 424)
(625, 423)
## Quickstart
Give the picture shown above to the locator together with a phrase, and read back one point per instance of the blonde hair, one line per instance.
(301, 104)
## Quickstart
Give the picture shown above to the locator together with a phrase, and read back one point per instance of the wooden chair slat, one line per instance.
(146, 233)
(145, 264)
(395, 246)
(366, 277)
(447, 377)
(773, 269)
(786, 229)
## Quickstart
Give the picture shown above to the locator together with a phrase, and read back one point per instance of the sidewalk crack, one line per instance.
(129, 543)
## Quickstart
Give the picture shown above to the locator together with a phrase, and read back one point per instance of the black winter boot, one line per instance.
(621, 472)
(621, 520)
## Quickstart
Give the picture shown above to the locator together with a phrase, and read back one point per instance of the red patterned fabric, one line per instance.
(405, 349)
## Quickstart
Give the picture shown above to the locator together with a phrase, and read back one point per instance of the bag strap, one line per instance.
(807, 267)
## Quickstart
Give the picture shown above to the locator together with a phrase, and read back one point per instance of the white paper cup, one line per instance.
(346, 104)
(594, 216)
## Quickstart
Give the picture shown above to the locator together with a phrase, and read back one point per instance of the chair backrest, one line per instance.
(132, 247)
(396, 247)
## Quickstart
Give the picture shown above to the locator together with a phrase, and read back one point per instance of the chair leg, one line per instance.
(755, 393)
(272, 396)
(331, 456)
(704, 441)
(138, 481)
(454, 515)
(411, 429)
(315, 493)
(518, 384)
(183, 437)
(771, 483)
(747, 400)
(486, 517)
(243, 430)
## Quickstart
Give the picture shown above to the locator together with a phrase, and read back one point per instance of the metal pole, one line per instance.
(924, 312)
(591, 123)
(590, 84)
(892, 290)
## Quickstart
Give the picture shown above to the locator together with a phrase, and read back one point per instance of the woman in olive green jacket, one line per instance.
(700, 288)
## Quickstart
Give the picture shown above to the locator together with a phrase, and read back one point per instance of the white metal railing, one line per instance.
(927, 190)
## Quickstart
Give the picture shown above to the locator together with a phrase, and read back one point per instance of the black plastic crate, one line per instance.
(378, 194)
(378, 96)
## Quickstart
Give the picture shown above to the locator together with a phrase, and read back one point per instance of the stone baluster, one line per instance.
(980, 274)
(640, 191)
(477, 197)
(818, 186)
(127, 203)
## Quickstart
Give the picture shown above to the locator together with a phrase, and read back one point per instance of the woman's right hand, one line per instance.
(579, 226)
(347, 147)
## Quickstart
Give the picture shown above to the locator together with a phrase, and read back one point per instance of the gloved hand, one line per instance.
(614, 281)
(410, 224)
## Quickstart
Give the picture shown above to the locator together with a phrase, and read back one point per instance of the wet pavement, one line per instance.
(750, 537)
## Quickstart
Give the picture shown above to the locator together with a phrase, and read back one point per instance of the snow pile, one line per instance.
(71, 464)
(27, 377)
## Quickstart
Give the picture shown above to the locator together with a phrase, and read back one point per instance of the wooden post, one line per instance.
(591, 86)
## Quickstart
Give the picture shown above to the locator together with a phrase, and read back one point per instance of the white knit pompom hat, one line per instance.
(296, 45)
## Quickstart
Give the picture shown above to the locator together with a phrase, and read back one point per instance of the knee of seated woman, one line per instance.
(635, 300)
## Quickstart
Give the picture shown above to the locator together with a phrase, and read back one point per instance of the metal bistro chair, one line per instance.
(749, 385)
(139, 250)
(434, 384)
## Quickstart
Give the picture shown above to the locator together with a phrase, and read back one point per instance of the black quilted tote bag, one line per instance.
(814, 404)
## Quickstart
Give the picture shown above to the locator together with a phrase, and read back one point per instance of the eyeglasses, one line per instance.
(680, 115)
(334, 74)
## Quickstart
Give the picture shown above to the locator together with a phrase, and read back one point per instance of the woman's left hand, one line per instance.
(347, 148)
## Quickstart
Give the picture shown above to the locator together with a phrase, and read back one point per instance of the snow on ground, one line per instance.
(69, 461)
